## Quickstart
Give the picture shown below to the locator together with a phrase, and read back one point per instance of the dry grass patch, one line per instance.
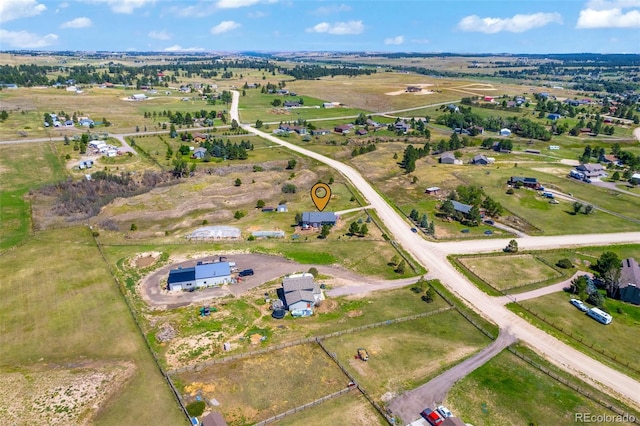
(259, 387)
(60, 395)
(349, 409)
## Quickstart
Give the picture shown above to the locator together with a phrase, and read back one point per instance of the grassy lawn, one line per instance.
(507, 272)
(617, 340)
(349, 409)
(255, 388)
(23, 167)
(405, 355)
(508, 391)
(72, 314)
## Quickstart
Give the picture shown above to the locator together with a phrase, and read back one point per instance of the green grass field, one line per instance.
(405, 355)
(508, 272)
(23, 167)
(255, 388)
(617, 339)
(64, 310)
(508, 391)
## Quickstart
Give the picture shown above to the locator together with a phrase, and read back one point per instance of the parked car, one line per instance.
(554, 201)
(465, 231)
(579, 304)
(444, 411)
(414, 230)
(489, 222)
(488, 232)
(432, 417)
(245, 273)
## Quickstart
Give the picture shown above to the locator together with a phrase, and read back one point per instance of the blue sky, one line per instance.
(477, 26)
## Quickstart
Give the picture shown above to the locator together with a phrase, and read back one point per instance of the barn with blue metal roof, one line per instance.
(201, 275)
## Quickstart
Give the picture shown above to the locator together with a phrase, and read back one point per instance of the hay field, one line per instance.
(64, 326)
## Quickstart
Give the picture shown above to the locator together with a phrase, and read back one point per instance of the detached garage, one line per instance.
(203, 275)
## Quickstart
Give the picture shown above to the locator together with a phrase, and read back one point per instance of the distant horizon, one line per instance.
(276, 52)
(490, 26)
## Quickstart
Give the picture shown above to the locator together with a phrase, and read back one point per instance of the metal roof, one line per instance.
(460, 207)
(210, 270)
(182, 275)
(319, 217)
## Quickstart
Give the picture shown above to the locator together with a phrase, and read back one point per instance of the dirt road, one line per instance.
(408, 405)
(434, 257)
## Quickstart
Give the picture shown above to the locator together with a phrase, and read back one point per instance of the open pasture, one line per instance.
(405, 355)
(508, 272)
(67, 315)
(508, 390)
(255, 388)
(23, 167)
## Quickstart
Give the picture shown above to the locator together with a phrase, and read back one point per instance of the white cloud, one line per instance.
(234, 4)
(256, 15)
(517, 24)
(178, 48)
(63, 5)
(224, 26)
(124, 6)
(610, 14)
(16, 9)
(159, 35)
(26, 40)
(394, 40)
(77, 23)
(330, 10)
(338, 28)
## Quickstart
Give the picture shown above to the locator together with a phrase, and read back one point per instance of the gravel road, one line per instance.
(434, 257)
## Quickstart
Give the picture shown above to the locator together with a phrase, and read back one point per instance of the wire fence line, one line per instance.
(166, 376)
(575, 387)
(201, 365)
(352, 379)
(304, 406)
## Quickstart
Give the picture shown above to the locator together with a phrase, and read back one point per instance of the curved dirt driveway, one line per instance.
(266, 268)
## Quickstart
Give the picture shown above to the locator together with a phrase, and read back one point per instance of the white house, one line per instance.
(505, 132)
(139, 97)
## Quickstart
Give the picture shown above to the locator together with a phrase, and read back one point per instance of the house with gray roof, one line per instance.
(591, 170)
(199, 152)
(449, 158)
(461, 207)
(629, 288)
(301, 294)
(317, 219)
(482, 160)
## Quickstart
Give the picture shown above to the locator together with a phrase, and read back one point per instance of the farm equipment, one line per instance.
(205, 311)
(363, 354)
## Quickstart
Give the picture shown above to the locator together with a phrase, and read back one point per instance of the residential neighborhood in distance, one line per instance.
(380, 215)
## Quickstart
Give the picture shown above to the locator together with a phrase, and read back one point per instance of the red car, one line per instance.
(432, 417)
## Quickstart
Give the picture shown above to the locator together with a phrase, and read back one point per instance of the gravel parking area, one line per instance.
(266, 268)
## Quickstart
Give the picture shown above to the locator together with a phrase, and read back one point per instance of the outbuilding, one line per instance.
(201, 275)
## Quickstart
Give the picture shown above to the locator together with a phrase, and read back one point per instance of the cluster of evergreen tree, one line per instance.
(370, 147)
(311, 72)
(422, 221)
(411, 155)
(221, 149)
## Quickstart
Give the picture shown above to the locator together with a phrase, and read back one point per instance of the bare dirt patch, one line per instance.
(144, 260)
(60, 395)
